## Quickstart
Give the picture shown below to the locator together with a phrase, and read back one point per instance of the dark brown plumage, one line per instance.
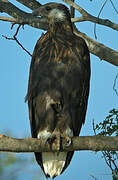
(58, 85)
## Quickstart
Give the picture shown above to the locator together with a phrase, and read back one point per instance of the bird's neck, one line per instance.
(60, 28)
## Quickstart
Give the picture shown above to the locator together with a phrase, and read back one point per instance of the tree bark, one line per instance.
(93, 143)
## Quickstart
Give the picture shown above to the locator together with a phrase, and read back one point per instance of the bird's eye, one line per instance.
(48, 8)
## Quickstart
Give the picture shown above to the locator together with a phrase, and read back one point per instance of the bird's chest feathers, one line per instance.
(55, 49)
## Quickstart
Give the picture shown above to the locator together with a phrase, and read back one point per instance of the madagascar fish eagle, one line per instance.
(58, 86)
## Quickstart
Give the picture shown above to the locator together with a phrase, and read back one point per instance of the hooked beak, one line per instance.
(40, 12)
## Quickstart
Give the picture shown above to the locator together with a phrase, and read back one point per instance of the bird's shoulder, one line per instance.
(70, 46)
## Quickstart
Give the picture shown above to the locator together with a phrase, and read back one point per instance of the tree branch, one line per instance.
(21, 17)
(88, 17)
(93, 143)
(32, 4)
(13, 20)
(100, 50)
(6, 6)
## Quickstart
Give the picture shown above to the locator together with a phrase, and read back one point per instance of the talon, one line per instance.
(68, 141)
(46, 140)
(51, 139)
(54, 140)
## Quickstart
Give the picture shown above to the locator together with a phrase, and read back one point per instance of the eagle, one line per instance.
(58, 86)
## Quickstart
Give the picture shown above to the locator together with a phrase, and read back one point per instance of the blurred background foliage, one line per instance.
(109, 127)
(16, 166)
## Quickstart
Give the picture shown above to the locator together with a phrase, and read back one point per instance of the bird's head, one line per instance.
(53, 13)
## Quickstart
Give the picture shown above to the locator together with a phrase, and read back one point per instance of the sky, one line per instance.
(14, 72)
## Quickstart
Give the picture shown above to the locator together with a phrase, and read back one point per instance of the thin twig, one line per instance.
(98, 17)
(93, 125)
(114, 85)
(107, 162)
(113, 161)
(93, 177)
(15, 38)
(114, 6)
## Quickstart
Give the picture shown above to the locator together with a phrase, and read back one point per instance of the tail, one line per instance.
(53, 163)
